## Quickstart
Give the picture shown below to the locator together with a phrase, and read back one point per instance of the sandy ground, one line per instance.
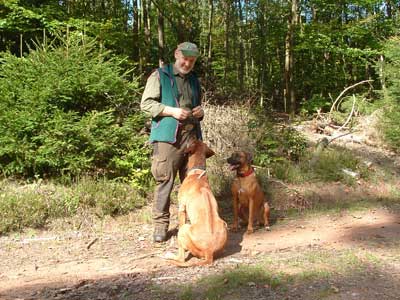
(120, 261)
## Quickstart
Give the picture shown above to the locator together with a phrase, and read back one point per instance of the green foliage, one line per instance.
(275, 143)
(18, 211)
(316, 103)
(242, 278)
(37, 203)
(353, 104)
(68, 110)
(390, 124)
(133, 163)
(332, 163)
(330, 167)
(107, 197)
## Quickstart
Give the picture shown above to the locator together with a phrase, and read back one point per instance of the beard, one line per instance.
(183, 71)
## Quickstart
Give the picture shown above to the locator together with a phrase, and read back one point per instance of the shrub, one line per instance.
(317, 102)
(276, 143)
(35, 204)
(69, 110)
(390, 125)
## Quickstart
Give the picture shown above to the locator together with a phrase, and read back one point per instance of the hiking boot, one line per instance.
(160, 234)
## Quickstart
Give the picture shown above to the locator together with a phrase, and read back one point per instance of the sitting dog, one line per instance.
(206, 234)
(249, 202)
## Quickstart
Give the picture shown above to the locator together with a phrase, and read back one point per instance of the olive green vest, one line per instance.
(165, 129)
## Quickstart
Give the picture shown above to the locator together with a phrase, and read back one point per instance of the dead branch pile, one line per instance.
(225, 129)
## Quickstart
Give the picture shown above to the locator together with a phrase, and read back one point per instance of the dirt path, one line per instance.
(119, 261)
(115, 258)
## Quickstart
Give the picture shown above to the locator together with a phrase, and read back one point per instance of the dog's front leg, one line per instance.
(235, 200)
(251, 216)
(181, 235)
(182, 218)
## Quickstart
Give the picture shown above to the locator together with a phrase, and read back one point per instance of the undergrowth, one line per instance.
(35, 204)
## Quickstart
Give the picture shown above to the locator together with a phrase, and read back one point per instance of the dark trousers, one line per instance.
(167, 161)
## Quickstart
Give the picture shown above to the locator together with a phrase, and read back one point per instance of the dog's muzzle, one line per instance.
(233, 163)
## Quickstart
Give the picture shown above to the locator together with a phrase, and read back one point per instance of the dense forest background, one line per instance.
(72, 71)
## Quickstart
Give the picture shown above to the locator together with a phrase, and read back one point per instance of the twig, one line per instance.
(91, 243)
(285, 185)
(145, 255)
(337, 127)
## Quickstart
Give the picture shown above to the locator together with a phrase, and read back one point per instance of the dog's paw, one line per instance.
(169, 256)
(234, 228)
(250, 230)
(267, 228)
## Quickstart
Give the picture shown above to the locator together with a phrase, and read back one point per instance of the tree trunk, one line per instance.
(241, 47)
(161, 39)
(289, 93)
(381, 72)
(389, 9)
(135, 31)
(262, 56)
(209, 38)
(227, 7)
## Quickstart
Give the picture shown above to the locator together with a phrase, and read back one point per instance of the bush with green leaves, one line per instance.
(69, 109)
(275, 143)
(316, 103)
(390, 124)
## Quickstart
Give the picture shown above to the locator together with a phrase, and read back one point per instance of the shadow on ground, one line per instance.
(360, 281)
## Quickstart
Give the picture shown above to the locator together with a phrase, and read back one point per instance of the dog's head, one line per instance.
(197, 146)
(239, 159)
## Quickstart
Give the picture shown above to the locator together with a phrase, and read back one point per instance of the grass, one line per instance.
(316, 272)
(34, 204)
(328, 168)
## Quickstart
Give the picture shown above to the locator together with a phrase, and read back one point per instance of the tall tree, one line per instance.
(241, 60)
(135, 31)
(161, 39)
(209, 38)
(289, 94)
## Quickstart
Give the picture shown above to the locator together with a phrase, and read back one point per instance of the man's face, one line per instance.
(184, 64)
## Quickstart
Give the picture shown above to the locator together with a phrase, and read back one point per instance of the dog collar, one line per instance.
(203, 168)
(249, 172)
(201, 171)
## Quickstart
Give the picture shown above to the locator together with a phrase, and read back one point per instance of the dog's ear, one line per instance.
(249, 157)
(209, 151)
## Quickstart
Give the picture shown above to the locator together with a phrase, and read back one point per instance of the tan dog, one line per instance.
(249, 202)
(206, 234)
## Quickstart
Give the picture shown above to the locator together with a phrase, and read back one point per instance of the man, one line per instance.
(172, 97)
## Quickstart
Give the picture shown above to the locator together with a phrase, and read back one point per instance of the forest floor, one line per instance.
(344, 254)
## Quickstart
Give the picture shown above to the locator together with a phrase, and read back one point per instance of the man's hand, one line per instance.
(198, 112)
(176, 112)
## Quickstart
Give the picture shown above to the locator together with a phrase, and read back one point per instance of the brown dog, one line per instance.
(207, 232)
(249, 202)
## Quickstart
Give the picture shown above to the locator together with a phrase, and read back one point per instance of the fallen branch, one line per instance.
(145, 255)
(343, 92)
(336, 137)
(350, 114)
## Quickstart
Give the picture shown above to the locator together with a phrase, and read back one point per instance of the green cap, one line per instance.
(188, 49)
